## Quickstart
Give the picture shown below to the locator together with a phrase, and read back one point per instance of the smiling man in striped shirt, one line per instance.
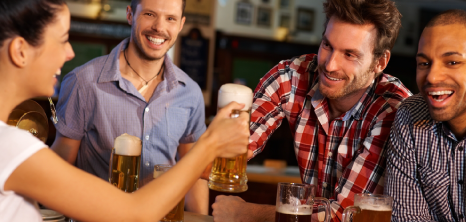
(339, 105)
(426, 159)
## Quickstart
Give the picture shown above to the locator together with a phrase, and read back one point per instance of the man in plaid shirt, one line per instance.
(426, 157)
(339, 105)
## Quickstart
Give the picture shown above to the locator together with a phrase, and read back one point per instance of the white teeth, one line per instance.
(334, 79)
(440, 93)
(156, 40)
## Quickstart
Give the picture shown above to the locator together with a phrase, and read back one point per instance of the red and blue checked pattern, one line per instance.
(341, 157)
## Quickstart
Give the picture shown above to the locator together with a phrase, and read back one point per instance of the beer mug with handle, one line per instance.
(177, 213)
(295, 203)
(369, 207)
(229, 174)
(125, 162)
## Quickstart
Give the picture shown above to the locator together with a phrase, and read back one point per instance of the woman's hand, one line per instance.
(228, 137)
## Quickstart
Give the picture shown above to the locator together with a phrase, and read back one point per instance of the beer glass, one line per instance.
(229, 174)
(295, 203)
(369, 207)
(177, 213)
(125, 162)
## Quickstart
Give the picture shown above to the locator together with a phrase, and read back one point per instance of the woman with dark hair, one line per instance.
(33, 47)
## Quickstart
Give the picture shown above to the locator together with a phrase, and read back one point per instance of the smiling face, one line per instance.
(441, 71)
(155, 26)
(345, 59)
(48, 58)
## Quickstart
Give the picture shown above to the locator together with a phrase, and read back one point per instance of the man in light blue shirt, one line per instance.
(136, 89)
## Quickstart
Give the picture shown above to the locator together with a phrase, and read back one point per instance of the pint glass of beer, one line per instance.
(124, 163)
(295, 203)
(177, 213)
(369, 207)
(229, 174)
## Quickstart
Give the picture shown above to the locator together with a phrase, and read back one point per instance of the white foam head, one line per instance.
(375, 207)
(234, 92)
(296, 210)
(127, 145)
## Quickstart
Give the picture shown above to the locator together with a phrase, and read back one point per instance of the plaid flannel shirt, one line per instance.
(341, 157)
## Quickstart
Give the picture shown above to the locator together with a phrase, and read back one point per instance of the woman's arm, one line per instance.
(47, 178)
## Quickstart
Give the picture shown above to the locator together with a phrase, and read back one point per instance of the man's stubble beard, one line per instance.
(350, 88)
(446, 114)
(144, 56)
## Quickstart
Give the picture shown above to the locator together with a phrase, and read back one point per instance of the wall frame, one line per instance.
(305, 19)
(244, 12)
(264, 17)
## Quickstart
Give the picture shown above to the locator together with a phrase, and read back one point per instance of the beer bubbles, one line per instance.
(229, 174)
(125, 162)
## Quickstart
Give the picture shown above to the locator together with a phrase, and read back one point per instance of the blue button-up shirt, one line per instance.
(96, 105)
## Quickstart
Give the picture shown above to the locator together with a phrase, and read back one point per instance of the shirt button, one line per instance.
(324, 184)
(147, 164)
(460, 181)
(460, 148)
(147, 109)
(330, 154)
(147, 137)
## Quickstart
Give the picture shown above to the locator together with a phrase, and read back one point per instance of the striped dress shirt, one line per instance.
(341, 157)
(425, 170)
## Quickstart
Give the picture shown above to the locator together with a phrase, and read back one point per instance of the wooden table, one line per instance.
(262, 174)
(262, 184)
(194, 217)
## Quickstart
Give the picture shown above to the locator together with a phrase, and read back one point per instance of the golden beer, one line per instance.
(125, 162)
(229, 174)
(177, 213)
(370, 214)
(369, 207)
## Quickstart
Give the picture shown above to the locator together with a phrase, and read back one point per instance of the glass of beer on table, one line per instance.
(177, 213)
(295, 203)
(124, 163)
(369, 207)
(229, 174)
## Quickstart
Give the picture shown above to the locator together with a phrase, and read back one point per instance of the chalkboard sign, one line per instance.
(194, 56)
(248, 71)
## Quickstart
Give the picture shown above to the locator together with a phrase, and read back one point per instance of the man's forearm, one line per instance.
(197, 199)
(262, 212)
(235, 209)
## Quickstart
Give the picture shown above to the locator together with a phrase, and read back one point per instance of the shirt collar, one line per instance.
(445, 129)
(111, 70)
(172, 74)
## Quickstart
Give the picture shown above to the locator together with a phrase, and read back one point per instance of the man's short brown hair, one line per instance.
(382, 13)
(134, 4)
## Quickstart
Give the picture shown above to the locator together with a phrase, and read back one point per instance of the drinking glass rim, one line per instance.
(376, 196)
(296, 184)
